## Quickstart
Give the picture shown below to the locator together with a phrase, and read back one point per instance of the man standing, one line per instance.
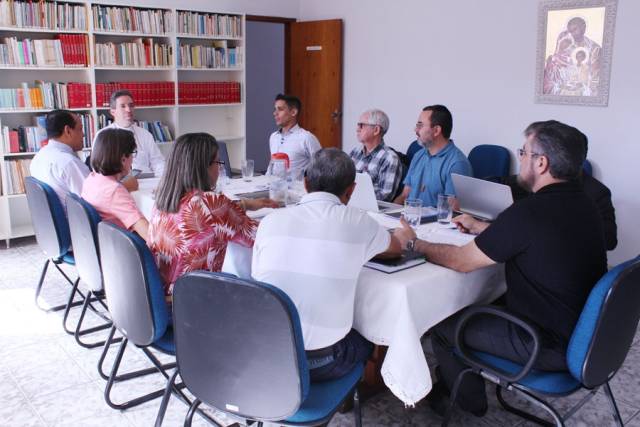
(314, 252)
(430, 169)
(148, 158)
(553, 248)
(56, 163)
(298, 144)
(374, 157)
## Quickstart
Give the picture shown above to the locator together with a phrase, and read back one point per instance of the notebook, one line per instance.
(480, 198)
(364, 196)
(407, 260)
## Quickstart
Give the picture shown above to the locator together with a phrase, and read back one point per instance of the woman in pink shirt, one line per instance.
(190, 224)
(111, 160)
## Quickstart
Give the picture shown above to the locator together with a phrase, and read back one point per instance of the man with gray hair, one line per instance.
(314, 252)
(148, 157)
(374, 157)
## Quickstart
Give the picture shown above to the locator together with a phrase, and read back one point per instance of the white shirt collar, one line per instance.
(320, 196)
(60, 146)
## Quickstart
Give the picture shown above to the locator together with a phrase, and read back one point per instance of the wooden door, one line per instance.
(314, 74)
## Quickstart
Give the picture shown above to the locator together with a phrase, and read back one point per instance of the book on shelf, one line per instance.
(218, 55)
(52, 15)
(137, 53)
(209, 24)
(130, 19)
(144, 93)
(160, 131)
(15, 171)
(30, 139)
(66, 50)
(46, 95)
(208, 92)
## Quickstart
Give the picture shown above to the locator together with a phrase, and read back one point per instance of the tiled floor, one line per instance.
(46, 379)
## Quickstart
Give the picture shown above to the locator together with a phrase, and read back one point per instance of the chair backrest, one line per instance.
(132, 285)
(239, 345)
(606, 327)
(281, 156)
(489, 160)
(587, 168)
(223, 155)
(48, 218)
(83, 226)
(414, 147)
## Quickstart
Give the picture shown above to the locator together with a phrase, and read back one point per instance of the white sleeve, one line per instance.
(311, 144)
(156, 160)
(74, 175)
(379, 237)
(272, 142)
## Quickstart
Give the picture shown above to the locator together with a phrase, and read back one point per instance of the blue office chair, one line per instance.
(489, 161)
(414, 147)
(52, 233)
(240, 350)
(598, 346)
(135, 296)
(83, 227)
(587, 168)
(223, 155)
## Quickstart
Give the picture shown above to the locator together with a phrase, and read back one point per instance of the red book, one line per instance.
(14, 146)
(85, 50)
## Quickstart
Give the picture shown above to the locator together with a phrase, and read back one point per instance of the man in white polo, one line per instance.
(297, 143)
(314, 252)
(148, 158)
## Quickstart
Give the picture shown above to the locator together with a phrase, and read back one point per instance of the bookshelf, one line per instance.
(212, 40)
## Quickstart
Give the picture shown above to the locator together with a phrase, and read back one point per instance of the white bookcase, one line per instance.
(225, 121)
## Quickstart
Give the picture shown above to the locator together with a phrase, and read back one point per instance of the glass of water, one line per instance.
(444, 207)
(278, 191)
(412, 212)
(247, 169)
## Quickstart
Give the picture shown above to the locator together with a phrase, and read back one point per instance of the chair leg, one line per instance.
(39, 290)
(614, 406)
(454, 395)
(122, 377)
(192, 410)
(357, 412)
(40, 282)
(507, 407)
(165, 399)
(67, 309)
(80, 332)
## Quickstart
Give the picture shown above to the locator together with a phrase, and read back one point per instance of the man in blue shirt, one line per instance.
(430, 170)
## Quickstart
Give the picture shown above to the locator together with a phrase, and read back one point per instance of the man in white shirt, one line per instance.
(148, 158)
(314, 252)
(56, 163)
(297, 143)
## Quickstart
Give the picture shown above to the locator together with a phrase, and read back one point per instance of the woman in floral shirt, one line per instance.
(190, 224)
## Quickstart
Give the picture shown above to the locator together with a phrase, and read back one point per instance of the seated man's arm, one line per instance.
(403, 196)
(388, 179)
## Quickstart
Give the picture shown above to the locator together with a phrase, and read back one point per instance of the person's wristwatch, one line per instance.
(411, 244)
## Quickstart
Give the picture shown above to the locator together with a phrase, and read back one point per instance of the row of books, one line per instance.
(30, 139)
(144, 93)
(137, 53)
(209, 24)
(160, 131)
(43, 14)
(129, 19)
(15, 171)
(66, 50)
(216, 56)
(208, 92)
(46, 95)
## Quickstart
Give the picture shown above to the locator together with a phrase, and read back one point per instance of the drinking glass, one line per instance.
(412, 212)
(444, 208)
(278, 191)
(277, 169)
(247, 169)
(222, 181)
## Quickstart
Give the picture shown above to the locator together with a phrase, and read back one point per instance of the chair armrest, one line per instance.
(491, 372)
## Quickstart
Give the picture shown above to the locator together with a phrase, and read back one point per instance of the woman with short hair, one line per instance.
(111, 160)
(191, 224)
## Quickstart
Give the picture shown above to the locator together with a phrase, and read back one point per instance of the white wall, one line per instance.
(478, 58)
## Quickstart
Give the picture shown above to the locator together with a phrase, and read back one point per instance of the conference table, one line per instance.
(393, 310)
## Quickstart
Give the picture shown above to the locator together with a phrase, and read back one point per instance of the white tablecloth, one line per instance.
(394, 310)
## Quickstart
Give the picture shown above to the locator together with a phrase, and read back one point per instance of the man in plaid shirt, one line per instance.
(374, 157)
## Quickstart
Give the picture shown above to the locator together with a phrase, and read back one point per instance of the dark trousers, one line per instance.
(340, 358)
(491, 335)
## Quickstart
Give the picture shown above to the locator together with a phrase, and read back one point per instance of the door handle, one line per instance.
(335, 115)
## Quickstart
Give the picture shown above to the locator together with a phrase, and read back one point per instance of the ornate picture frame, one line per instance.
(575, 43)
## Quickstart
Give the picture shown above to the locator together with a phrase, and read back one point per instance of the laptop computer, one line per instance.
(480, 198)
(364, 196)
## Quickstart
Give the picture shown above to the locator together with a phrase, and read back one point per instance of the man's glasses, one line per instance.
(360, 125)
(522, 152)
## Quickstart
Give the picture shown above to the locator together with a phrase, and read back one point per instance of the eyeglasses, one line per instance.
(134, 153)
(522, 152)
(360, 125)
(219, 162)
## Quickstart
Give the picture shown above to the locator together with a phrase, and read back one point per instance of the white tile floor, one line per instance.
(46, 379)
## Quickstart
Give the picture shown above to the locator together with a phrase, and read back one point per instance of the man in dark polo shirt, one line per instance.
(553, 248)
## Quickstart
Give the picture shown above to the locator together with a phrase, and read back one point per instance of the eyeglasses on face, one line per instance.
(134, 153)
(522, 152)
(360, 125)
(218, 162)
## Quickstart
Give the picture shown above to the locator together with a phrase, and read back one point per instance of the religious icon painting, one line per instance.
(575, 41)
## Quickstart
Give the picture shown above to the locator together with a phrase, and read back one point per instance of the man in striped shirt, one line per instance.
(374, 157)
